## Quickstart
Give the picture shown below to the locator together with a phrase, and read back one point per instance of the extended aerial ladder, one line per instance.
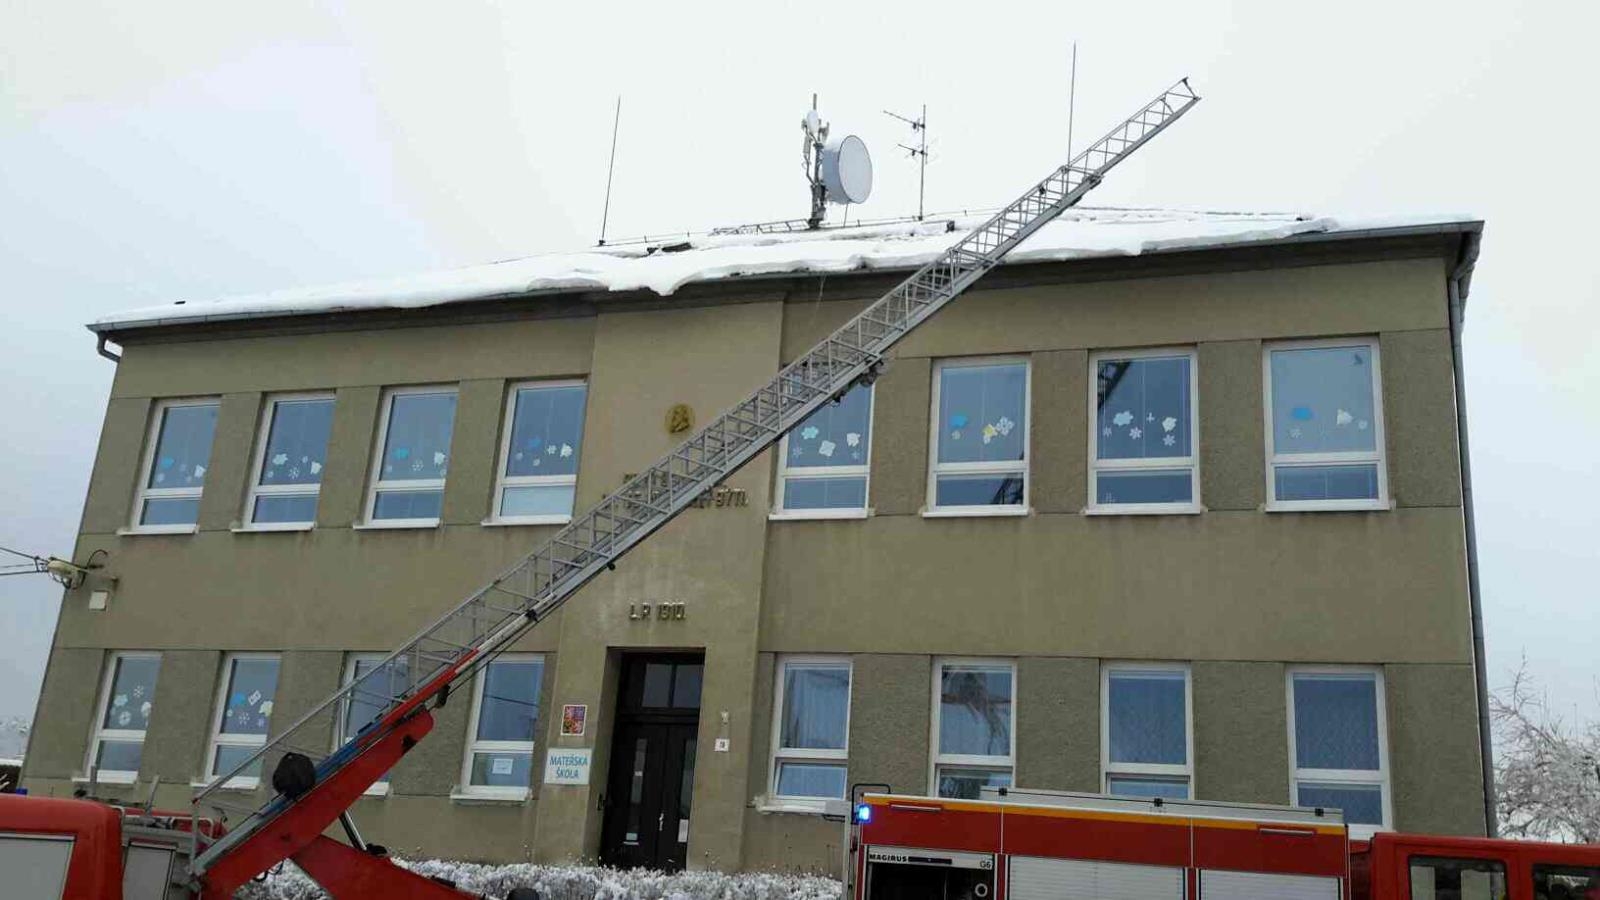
(317, 775)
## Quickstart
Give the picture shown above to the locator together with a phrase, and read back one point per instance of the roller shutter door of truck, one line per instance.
(34, 866)
(1046, 878)
(1219, 885)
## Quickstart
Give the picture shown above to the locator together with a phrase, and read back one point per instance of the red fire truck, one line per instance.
(1013, 844)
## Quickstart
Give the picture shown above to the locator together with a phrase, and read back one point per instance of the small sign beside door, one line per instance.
(573, 717)
(567, 766)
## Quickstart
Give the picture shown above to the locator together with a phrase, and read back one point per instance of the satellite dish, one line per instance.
(847, 170)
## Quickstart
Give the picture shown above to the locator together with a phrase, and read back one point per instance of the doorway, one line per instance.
(649, 790)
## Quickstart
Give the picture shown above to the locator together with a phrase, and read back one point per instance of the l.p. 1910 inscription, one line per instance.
(664, 612)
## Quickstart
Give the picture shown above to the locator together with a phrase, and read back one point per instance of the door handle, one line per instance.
(661, 819)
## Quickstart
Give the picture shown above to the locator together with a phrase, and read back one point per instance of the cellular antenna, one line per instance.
(839, 169)
(605, 215)
(1072, 96)
(919, 133)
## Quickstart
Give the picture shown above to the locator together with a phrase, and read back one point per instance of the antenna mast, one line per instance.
(919, 131)
(611, 170)
(816, 137)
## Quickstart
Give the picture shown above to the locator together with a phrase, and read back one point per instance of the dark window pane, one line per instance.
(848, 492)
(282, 508)
(811, 780)
(1143, 408)
(1336, 722)
(657, 684)
(1144, 486)
(1358, 482)
(1147, 718)
(183, 447)
(837, 434)
(538, 500)
(982, 412)
(1362, 804)
(297, 442)
(408, 505)
(686, 686)
(502, 768)
(1148, 788)
(975, 711)
(1322, 400)
(546, 431)
(965, 784)
(978, 490)
(816, 707)
(510, 708)
(367, 704)
(247, 703)
(171, 511)
(119, 756)
(133, 690)
(417, 445)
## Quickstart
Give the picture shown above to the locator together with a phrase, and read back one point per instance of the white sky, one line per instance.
(199, 149)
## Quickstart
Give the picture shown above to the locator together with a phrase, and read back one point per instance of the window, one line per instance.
(980, 437)
(1145, 736)
(1325, 426)
(124, 714)
(413, 456)
(505, 718)
(244, 714)
(1565, 882)
(1443, 878)
(290, 454)
(1142, 447)
(366, 703)
(811, 731)
(1337, 744)
(176, 455)
(539, 452)
(822, 463)
(972, 726)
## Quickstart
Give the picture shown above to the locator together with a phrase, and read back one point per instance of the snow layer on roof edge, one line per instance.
(664, 268)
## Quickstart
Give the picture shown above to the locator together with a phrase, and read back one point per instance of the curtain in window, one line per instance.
(975, 712)
(1336, 722)
(1146, 718)
(815, 707)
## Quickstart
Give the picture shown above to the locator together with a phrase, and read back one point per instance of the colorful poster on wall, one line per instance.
(573, 717)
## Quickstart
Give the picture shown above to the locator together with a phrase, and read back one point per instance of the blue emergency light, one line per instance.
(863, 813)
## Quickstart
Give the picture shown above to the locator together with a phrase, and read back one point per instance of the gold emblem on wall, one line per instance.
(680, 418)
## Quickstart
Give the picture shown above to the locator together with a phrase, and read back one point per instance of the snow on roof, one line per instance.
(1080, 233)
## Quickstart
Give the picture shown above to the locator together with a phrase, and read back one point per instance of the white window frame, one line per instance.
(1156, 771)
(1344, 457)
(1191, 462)
(374, 480)
(142, 490)
(938, 759)
(256, 489)
(101, 733)
(862, 469)
(780, 754)
(1353, 777)
(341, 723)
(503, 481)
(936, 468)
(500, 792)
(218, 739)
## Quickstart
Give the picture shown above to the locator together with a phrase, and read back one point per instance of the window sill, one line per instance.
(115, 778)
(977, 512)
(1151, 509)
(397, 525)
(158, 529)
(242, 785)
(485, 798)
(525, 520)
(815, 515)
(1385, 505)
(273, 526)
(789, 807)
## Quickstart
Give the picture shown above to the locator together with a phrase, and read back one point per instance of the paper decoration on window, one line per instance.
(199, 471)
(416, 465)
(797, 451)
(1135, 433)
(266, 708)
(1169, 423)
(120, 700)
(1169, 440)
(550, 449)
(809, 432)
(1149, 417)
(1343, 418)
(166, 462)
(138, 690)
(855, 454)
(1106, 431)
(402, 452)
(144, 709)
(1122, 418)
(255, 697)
(537, 461)
(160, 477)
(1294, 432)
(989, 431)
(1004, 426)
(852, 439)
(1302, 413)
(500, 766)
(958, 421)
(438, 458)
(566, 450)
(124, 717)
(279, 459)
(1362, 424)
(535, 443)
(955, 435)
(237, 699)
(294, 471)
(316, 467)
(261, 721)
(517, 455)
(826, 448)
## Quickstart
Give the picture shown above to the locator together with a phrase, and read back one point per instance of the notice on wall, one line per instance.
(573, 717)
(562, 766)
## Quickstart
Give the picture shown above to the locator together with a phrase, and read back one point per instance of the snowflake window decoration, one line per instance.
(853, 439)
(566, 450)
(1169, 423)
(1169, 440)
(826, 448)
(279, 459)
(1122, 418)
(1136, 433)
(809, 432)
(1004, 426)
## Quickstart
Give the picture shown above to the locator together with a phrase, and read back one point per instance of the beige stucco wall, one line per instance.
(1236, 591)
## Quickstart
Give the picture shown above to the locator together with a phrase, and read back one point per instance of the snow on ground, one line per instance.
(578, 883)
(666, 266)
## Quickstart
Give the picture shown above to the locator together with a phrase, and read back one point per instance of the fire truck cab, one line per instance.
(1012, 844)
(52, 849)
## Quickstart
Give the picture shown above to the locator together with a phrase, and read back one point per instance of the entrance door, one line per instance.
(651, 782)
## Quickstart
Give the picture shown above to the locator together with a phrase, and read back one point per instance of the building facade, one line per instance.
(1184, 523)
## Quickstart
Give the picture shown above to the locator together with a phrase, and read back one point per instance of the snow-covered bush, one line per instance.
(578, 883)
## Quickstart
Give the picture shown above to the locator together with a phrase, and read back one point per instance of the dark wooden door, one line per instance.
(649, 790)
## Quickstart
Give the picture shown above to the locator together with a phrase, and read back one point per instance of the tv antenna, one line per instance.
(839, 170)
(611, 169)
(919, 133)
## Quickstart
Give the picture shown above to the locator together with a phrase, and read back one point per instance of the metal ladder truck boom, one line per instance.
(316, 780)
